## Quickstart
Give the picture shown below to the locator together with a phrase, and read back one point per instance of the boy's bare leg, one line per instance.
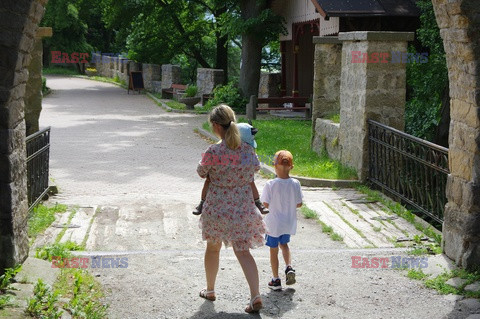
(256, 198)
(289, 271)
(198, 209)
(274, 261)
(286, 254)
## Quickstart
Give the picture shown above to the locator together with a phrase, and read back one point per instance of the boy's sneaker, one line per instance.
(290, 273)
(261, 208)
(198, 209)
(275, 284)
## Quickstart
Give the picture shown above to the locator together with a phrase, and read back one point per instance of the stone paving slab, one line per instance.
(80, 225)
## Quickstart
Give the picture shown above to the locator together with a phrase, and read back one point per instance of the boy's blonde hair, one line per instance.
(225, 116)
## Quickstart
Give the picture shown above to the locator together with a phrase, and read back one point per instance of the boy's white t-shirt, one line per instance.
(282, 195)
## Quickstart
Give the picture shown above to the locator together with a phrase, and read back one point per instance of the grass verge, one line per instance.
(295, 136)
(60, 70)
(75, 292)
(42, 217)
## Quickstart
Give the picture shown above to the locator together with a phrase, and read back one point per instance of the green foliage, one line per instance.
(5, 300)
(7, 278)
(44, 85)
(61, 250)
(228, 94)
(43, 303)
(191, 91)
(426, 82)
(41, 217)
(335, 118)
(416, 274)
(308, 213)
(69, 30)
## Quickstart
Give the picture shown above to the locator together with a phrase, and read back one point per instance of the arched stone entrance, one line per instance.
(460, 24)
(19, 21)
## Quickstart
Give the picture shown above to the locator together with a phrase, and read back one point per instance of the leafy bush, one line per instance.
(191, 91)
(42, 304)
(426, 82)
(228, 94)
(44, 85)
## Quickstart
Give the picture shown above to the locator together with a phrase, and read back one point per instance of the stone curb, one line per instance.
(304, 181)
(169, 109)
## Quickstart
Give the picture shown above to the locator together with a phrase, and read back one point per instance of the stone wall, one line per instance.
(208, 79)
(327, 139)
(460, 28)
(33, 92)
(369, 91)
(151, 73)
(19, 21)
(171, 74)
(326, 81)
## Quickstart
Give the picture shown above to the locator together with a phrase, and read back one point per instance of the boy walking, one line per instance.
(282, 196)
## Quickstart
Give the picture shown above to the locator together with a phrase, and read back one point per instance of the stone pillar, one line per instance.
(372, 90)
(171, 74)
(18, 27)
(326, 78)
(33, 93)
(459, 27)
(208, 79)
(151, 73)
(269, 84)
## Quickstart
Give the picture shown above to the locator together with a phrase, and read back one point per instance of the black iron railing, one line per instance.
(409, 168)
(38, 154)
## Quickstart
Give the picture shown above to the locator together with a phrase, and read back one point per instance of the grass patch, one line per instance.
(293, 135)
(42, 217)
(57, 250)
(5, 280)
(60, 70)
(416, 274)
(115, 80)
(335, 118)
(176, 105)
(309, 214)
(85, 294)
(43, 302)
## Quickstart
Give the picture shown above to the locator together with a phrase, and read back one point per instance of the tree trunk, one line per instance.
(222, 56)
(251, 50)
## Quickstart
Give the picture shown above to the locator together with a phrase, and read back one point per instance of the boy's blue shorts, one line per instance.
(274, 241)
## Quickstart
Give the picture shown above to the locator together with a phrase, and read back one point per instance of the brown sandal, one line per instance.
(207, 294)
(254, 307)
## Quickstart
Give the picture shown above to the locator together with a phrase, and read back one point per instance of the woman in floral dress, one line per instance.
(229, 212)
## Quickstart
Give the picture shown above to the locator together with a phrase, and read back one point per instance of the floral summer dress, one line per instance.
(229, 212)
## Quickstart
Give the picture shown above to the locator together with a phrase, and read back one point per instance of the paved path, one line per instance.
(134, 164)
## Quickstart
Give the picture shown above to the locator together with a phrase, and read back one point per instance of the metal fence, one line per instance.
(38, 154)
(409, 168)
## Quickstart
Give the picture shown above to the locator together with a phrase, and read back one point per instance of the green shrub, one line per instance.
(228, 94)
(191, 91)
(44, 85)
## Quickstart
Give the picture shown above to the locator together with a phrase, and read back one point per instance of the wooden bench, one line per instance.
(299, 103)
(173, 91)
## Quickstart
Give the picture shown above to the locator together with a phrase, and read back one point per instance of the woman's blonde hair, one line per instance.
(225, 117)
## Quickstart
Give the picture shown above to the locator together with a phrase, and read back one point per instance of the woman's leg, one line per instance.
(250, 270)
(212, 257)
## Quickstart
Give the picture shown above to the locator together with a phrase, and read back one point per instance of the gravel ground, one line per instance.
(137, 163)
